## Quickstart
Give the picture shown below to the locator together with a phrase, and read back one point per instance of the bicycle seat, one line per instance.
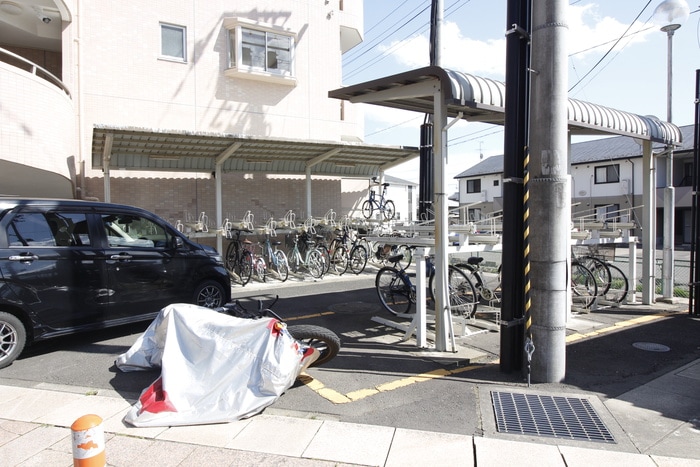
(385, 184)
(474, 260)
(395, 259)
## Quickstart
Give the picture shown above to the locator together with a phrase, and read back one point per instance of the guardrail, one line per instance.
(20, 62)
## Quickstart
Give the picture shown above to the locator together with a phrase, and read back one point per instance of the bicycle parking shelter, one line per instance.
(132, 148)
(450, 94)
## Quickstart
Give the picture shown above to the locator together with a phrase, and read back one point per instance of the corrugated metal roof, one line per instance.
(156, 150)
(483, 100)
(604, 149)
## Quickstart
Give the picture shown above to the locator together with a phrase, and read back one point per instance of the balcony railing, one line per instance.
(21, 62)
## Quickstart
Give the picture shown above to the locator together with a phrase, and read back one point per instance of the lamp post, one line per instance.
(670, 14)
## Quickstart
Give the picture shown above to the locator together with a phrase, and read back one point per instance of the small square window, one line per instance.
(173, 42)
(607, 174)
(495, 183)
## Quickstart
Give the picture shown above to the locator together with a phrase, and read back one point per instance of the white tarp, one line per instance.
(214, 367)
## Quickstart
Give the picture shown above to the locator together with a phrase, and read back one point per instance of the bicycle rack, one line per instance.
(247, 221)
(288, 220)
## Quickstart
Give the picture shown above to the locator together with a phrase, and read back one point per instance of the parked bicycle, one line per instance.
(238, 259)
(322, 339)
(304, 256)
(488, 285)
(274, 260)
(611, 281)
(397, 292)
(383, 205)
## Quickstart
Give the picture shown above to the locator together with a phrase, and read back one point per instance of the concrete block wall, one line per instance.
(183, 198)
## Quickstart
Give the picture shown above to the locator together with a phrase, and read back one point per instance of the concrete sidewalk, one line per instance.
(35, 430)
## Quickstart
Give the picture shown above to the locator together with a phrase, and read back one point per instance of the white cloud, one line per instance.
(592, 35)
(458, 52)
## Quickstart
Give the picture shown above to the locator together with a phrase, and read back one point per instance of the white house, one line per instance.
(606, 183)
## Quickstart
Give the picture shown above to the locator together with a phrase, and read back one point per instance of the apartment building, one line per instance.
(146, 103)
(606, 184)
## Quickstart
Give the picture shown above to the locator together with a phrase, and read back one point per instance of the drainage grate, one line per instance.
(558, 417)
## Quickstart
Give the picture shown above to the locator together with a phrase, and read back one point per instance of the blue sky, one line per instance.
(617, 58)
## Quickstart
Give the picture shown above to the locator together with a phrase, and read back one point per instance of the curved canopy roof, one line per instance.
(483, 100)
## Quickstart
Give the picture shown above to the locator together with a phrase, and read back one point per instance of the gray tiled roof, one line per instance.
(617, 147)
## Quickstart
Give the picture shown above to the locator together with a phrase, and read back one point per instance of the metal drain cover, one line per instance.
(651, 347)
(554, 416)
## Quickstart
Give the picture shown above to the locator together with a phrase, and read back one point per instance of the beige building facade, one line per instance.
(259, 68)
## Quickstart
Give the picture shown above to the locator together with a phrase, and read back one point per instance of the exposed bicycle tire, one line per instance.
(394, 294)
(486, 294)
(340, 260)
(315, 263)
(583, 282)
(388, 210)
(326, 258)
(367, 209)
(600, 271)
(280, 266)
(463, 296)
(618, 287)
(407, 256)
(322, 339)
(244, 267)
(358, 259)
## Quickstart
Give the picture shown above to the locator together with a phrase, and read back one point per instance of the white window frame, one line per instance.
(238, 69)
(176, 58)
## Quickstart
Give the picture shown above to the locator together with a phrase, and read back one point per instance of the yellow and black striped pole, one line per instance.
(529, 344)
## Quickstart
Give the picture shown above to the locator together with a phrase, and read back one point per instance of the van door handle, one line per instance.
(24, 258)
(122, 256)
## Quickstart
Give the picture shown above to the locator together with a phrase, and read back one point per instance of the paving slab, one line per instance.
(351, 443)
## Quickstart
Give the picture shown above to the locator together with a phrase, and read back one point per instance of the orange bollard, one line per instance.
(88, 442)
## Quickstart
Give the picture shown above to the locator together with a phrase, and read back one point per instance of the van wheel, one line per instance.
(209, 294)
(13, 338)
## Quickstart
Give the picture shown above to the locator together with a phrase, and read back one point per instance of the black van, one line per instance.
(68, 266)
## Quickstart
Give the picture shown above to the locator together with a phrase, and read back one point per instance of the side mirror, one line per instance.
(178, 243)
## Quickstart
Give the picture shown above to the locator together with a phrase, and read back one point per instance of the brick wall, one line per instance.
(183, 199)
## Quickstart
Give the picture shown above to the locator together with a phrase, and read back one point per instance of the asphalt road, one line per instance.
(377, 378)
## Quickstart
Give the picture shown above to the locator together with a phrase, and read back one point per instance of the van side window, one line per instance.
(130, 231)
(48, 229)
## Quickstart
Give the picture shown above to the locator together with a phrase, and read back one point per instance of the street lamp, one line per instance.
(670, 14)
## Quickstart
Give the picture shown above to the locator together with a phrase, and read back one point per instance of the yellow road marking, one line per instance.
(315, 315)
(338, 398)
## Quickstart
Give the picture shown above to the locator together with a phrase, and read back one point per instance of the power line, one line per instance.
(611, 48)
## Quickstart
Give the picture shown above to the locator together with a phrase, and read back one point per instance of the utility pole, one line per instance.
(550, 191)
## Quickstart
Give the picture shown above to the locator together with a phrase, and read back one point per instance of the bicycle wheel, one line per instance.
(315, 264)
(230, 257)
(393, 292)
(280, 265)
(322, 339)
(619, 285)
(326, 258)
(367, 209)
(358, 259)
(244, 268)
(464, 298)
(389, 210)
(259, 268)
(294, 260)
(407, 253)
(583, 282)
(340, 260)
(600, 271)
